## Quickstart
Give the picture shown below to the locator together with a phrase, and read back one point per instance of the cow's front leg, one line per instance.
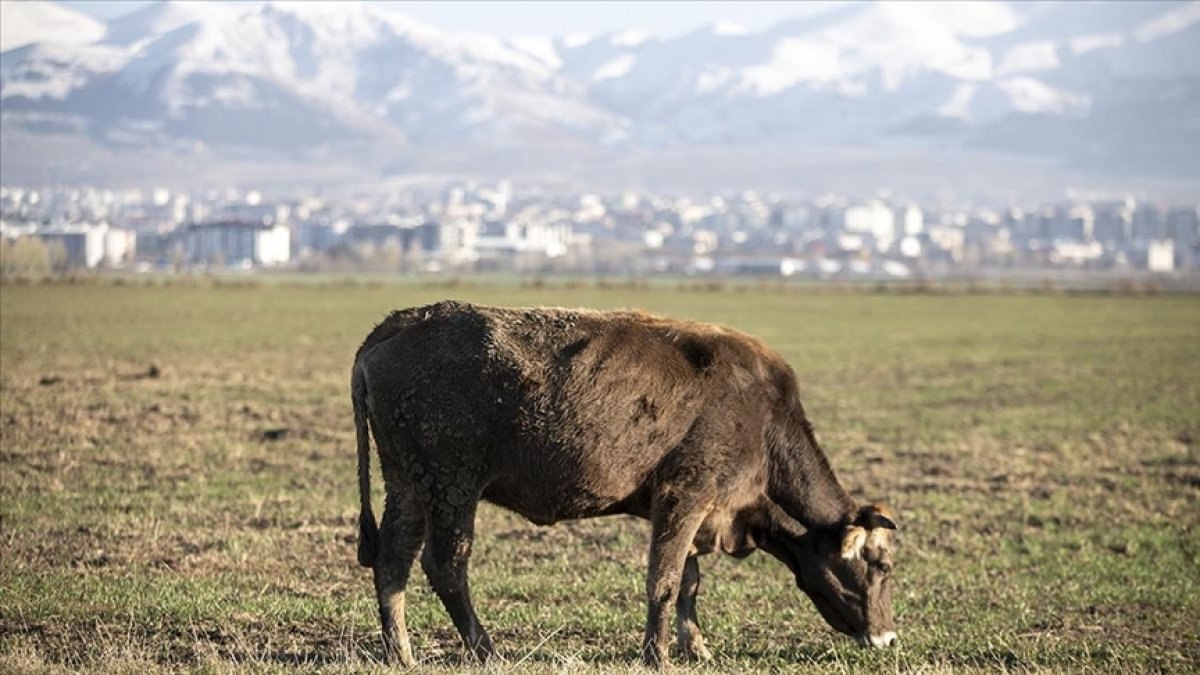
(673, 528)
(687, 626)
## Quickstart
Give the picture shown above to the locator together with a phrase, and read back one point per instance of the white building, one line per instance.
(874, 218)
(911, 220)
(83, 244)
(949, 239)
(546, 238)
(238, 242)
(1160, 255)
(91, 245)
(120, 245)
(457, 237)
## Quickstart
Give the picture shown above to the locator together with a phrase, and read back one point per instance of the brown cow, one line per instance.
(560, 414)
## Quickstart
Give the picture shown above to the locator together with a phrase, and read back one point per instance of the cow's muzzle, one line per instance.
(882, 640)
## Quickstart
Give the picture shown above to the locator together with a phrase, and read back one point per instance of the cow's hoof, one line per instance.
(699, 653)
(400, 658)
(654, 658)
(694, 650)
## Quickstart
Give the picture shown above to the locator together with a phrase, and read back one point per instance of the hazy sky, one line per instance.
(556, 18)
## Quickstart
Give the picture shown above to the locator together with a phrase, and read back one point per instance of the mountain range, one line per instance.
(878, 90)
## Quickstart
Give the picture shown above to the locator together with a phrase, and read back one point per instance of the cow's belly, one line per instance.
(550, 494)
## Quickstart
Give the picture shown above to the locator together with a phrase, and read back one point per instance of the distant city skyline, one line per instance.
(552, 19)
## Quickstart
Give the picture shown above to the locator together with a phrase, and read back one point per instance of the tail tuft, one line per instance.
(368, 540)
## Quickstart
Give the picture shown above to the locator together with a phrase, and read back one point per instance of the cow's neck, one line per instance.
(801, 481)
(779, 534)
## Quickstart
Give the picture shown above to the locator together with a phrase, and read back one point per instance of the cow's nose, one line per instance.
(885, 640)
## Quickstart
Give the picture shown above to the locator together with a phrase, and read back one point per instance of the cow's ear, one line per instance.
(853, 542)
(874, 516)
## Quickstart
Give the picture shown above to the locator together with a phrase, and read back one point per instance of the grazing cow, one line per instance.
(561, 414)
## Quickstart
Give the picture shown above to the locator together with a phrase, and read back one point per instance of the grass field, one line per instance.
(1040, 450)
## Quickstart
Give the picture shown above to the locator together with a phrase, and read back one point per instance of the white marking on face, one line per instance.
(878, 538)
(853, 542)
(884, 640)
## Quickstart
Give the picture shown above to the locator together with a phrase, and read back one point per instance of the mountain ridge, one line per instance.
(1086, 86)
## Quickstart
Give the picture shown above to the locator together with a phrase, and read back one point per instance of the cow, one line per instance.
(561, 414)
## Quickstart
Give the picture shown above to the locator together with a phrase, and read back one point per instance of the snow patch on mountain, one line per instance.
(577, 40)
(793, 61)
(895, 42)
(962, 18)
(49, 71)
(1088, 43)
(138, 28)
(714, 78)
(958, 106)
(1029, 57)
(629, 38)
(1029, 95)
(540, 48)
(729, 28)
(37, 22)
(617, 67)
(1171, 22)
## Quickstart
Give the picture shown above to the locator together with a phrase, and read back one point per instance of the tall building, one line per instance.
(1148, 223)
(874, 218)
(910, 219)
(234, 242)
(1113, 223)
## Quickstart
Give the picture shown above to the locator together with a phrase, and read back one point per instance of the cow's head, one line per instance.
(848, 574)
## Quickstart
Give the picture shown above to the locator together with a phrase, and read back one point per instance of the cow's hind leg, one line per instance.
(400, 534)
(687, 626)
(447, 552)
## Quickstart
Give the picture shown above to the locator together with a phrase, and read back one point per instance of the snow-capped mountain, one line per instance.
(894, 68)
(284, 74)
(36, 21)
(1089, 84)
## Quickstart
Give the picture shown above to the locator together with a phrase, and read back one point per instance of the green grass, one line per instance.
(1040, 450)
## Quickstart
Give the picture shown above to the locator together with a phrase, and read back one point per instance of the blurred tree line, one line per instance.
(31, 258)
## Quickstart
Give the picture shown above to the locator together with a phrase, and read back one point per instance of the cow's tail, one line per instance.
(368, 531)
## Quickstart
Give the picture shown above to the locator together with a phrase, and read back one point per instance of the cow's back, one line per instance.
(567, 413)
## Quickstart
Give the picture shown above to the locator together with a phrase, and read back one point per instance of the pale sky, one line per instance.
(556, 19)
